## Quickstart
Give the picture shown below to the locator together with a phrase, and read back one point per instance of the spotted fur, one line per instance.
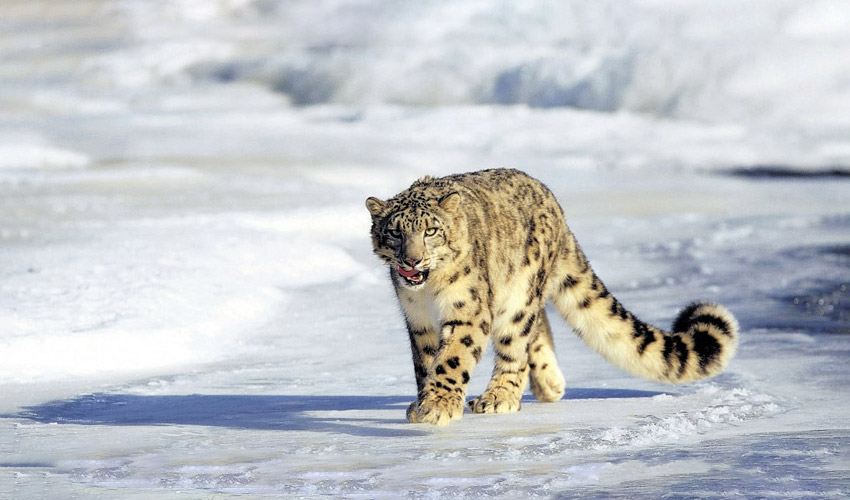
(474, 257)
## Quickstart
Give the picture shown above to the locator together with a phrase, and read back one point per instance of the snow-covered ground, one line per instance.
(189, 307)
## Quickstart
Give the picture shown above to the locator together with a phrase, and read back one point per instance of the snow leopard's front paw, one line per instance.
(496, 400)
(436, 408)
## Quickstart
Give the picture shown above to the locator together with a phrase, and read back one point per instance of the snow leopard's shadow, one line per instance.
(598, 393)
(341, 414)
(354, 415)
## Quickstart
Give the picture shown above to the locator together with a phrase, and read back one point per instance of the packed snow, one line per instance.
(189, 305)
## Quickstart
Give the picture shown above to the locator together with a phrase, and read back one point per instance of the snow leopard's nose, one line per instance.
(412, 262)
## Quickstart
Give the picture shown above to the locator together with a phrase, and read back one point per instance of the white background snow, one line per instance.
(189, 307)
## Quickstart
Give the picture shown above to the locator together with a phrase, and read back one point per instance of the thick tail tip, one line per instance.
(710, 315)
(713, 333)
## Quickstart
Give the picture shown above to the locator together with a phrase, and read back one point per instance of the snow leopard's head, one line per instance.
(413, 233)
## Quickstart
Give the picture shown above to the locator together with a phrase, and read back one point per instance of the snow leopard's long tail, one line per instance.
(703, 338)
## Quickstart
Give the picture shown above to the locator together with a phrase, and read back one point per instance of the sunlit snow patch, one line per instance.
(33, 156)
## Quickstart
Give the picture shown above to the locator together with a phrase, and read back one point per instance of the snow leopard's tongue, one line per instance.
(407, 274)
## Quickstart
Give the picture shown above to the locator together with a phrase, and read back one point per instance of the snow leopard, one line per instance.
(474, 258)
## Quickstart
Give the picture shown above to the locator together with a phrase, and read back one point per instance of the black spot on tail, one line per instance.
(640, 330)
(568, 282)
(707, 349)
(683, 321)
(582, 260)
(708, 319)
(617, 309)
(688, 318)
(673, 345)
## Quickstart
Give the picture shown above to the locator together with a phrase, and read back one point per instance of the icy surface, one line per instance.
(189, 307)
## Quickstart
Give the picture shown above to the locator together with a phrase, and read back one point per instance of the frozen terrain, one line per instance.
(189, 307)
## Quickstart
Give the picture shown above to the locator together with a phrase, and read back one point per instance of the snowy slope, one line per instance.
(189, 307)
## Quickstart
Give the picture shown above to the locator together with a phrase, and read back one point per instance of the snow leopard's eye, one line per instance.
(431, 231)
(394, 233)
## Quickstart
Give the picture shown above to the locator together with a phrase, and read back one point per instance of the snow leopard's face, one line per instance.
(412, 235)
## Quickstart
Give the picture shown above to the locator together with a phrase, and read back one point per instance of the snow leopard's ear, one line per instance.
(375, 206)
(450, 202)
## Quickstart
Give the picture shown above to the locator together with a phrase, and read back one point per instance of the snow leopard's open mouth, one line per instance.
(413, 277)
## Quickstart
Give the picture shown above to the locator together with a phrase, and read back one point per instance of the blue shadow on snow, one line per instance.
(286, 413)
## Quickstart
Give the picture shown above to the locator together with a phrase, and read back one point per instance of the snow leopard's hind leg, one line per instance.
(547, 381)
(524, 352)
